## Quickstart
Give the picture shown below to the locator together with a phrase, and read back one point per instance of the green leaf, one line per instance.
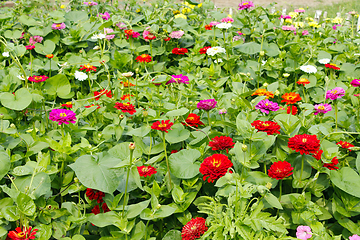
(193, 2)
(3, 232)
(105, 219)
(20, 101)
(162, 212)
(139, 132)
(183, 165)
(58, 85)
(172, 234)
(98, 173)
(177, 112)
(122, 151)
(40, 184)
(47, 48)
(25, 204)
(10, 213)
(347, 180)
(249, 48)
(177, 135)
(76, 16)
(44, 232)
(272, 200)
(135, 209)
(4, 163)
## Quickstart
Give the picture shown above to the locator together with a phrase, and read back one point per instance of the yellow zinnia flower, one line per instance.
(180, 16)
(62, 6)
(293, 14)
(337, 20)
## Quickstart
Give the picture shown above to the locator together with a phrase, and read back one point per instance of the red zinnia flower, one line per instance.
(268, 126)
(331, 65)
(346, 145)
(303, 81)
(290, 98)
(19, 234)
(163, 126)
(167, 39)
(280, 170)
(204, 49)
(50, 56)
(179, 51)
(67, 105)
(105, 208)
(292, 109)
(146, 171)
(174, 151)
(143, 58)
(93, 194)
(305, 144)
(30, 47)
(38, 78)
(125, 107)
(332, 165)
(97, 94)
(96, 210)
(221, 143)
(318, 154)
(193, 120)
(208, 27)
(126, 96)
(88, 67)
(194, 229)
(214, 167)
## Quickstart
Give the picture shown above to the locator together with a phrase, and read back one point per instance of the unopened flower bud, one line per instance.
(2, 115)
(145, 113)
(48, 207)
(248, 74)
(191, 102)
(214, 82)
(263, 21)
(285, 75)
(76, 180)
(99, 135)
(96, 48)
(244, 147)
(80, 51)
(137, 70)
(121, 116)
(233, 100)
(268, 185)
(158, 206)
(276, 92)
(265, 84)
(262, 53)
(132, 146)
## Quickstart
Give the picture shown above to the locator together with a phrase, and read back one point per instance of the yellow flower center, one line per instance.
(191, 118)
(21, 234)
(245, 3)
(334, 92)
(321, 107)
(216, 162)
(63, 115)
(266, 104)
(69, 103)
(143, 55)
(304, 140)
(162, 125)
(145, 169)
(38, 78)
(58, 25)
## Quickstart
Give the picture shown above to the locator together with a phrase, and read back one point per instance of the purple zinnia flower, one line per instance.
(62, 116)
(107, 31)
(265, 106)
(121, 25)
(177, 34)
(300, 10)
(322, 108)
(207, 104)
(90, 3)
(246, 5)
(303, 232)
(58, 26)
(355, 83)
(354, 237)
(335, 93)
(178, 79)
(105, 15)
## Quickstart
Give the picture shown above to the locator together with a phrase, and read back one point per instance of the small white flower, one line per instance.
(308, 68)
(96, 48)
(214, 50)
(98, 36)
(81, 76)
(128, 74)
(263, 62)
(219, 60)
(21, 77)
(324, 61)
(6, 54)
(224, 25)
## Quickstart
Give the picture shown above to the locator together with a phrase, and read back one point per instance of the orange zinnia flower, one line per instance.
(127, 84)
(144, 58)
(290, 98)
(303, 81)
(50, 56)
(88, 67)
(263, 92)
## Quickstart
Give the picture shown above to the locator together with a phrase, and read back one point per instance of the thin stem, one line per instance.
(61, 179)
(167, 161)
(208, 115)
(304, 94)
(336, 115)
(302, 166)
(127, 181)
(280, 186)
(50, 68)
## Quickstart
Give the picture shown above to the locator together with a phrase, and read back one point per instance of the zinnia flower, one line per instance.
(49, 56)
(268, 126)
(224, 25)
(355, 83)
(143, 58)
(227, 20)
(131, 33)
(288, 28)
(354, 237)
(93, 194)
(125, 107)
(324, 60)
(194, 229)
(105, 15)
(88, 67)
(303, 232)
(179, 51)
(246, 5)
(146, 171)
(318, 154)
(322, 108)
(332, 66)
(147, 35)
(97, 94)
(305, 144)
(67, 105)
(280, 170)
(332, 165)
(204, 49)
(292, 110)
(19, 234)
(178, 79)
(81, 76)
(107, 31)
(30, 47)
(62, 116)
(305, 32)
(266, 105)
(308, 69)
(263, 92)
(95, 210)
(92, 105)
(221, 143)
(290, 98)
(38, 78)
(222, 111)
(58, 26)
(121, 25)
(163, 126)
(193, 120)
(207, 104)
(303, 81)
(335, 93)
(214, 167)
(215, 50)
(345, 145)
(177, 34)
(126, 96)
(90, 4)
(208, 27)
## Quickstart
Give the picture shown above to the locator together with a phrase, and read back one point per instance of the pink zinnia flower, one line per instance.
(207, 104)
(107, 31)
(336, 25)
(214, 23)
(335, 93)
(58, 26)
(147, 35)
(90, 3)
(266, 105)
(22, 35)
(105, 15)
(29, 47)
(246, 5)
(322, 108)
(305, 32)
(38, 39)
(121, 25)
(178, 79)
(355, 83)
(177, 34)
(303, 232)
(37, 78)
(288, 28)
(62, 116)
(299, 10)
(354, 237)
(227, 20)
(285, 17)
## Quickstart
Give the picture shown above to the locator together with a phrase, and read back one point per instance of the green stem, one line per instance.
(167, 161)
(50, 68)
(302, 166)
(280, 186)
(127, 181)
(304, 94)
(265, 170)
(208, 115)
(336, 115)
(31, 73)
(62, 179)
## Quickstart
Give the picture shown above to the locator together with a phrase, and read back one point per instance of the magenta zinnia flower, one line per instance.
(207, 104)
(305, 32)
(303, 232)
(37, 78)
(285, 17)
(105, 15)
(214, 23)
(177, 34)
(30, 47)
(266, 105)
(178, 79)
(355, 83)
(58, 26)
(354, 237)
(62, 116)
(322, 108)
(90, 3)
(336, 25)
(335, 93)
(227, 20)
(246, 5)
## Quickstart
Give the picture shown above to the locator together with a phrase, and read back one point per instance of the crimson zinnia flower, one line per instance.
(346, 145)
(193, 120)
(332, 165)
(95, 210)
(92, 105)
(214, 167)
(49, 56)
(88, 67)
(268, 126)
(303, 81)
(179, 51)
(194, 229)
(203, 50)
(93, 194)
(126, 96)
(208, 27)
(19, 234)
(38, 78)
(305, 144)
(280, 170)
(290, 98)
(318, 154)
(331, 65)
(163, 126)
(221, 143)
(143, 58)
(67, 105)
(97, 94)
(292, 110)
(125, 107)
(146, 171)
(105, 208)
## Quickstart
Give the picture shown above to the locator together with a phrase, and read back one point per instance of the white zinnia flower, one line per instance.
(128, 74)
(6, 54)
(214, 50)
(308, 69)
(21, 77)
(324, 61)
(224, 25)
(218, 61)
(81, 76)
(98, 36)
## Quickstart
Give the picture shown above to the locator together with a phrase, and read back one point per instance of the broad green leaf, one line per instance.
(40, 184)
(139, 132)
(172, 235)
(177, 112)
(10, 213)
(272, 200)
(47, 47)
(58, 85)
(183, 165)
(25, 204)
(249, 48)
(162, 212)
(177, 135)
(4, 163)
(105, 219)
(135, 209)
(44, 232)
(19, 101)
(347, 180)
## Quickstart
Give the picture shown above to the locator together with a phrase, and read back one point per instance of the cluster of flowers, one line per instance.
(98, 197)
